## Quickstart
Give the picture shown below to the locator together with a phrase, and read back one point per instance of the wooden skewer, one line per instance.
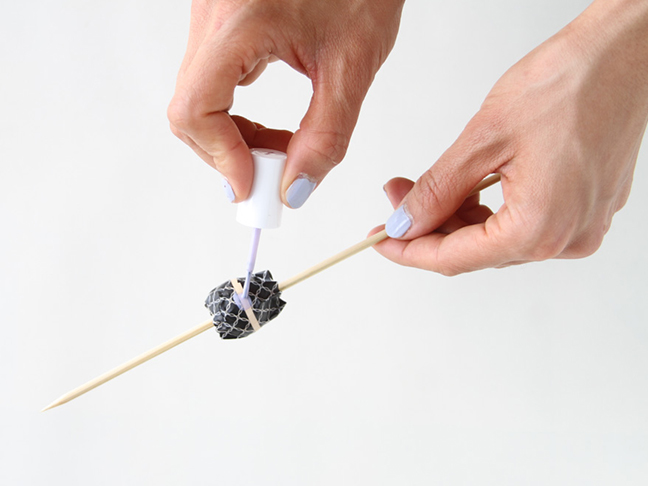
(185, 336)
(129, 365)
(329, 262)
(489, 181)
(363, 245)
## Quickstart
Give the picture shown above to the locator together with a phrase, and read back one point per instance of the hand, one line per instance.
(338, 44)
(563, 128)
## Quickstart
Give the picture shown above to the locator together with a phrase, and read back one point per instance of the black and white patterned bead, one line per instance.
(230, 320)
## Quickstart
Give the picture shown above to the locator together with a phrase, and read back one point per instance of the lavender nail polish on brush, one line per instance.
(299, 191)
(229, 192)
(398, 223)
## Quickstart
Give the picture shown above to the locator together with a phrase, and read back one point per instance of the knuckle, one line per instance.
(536, 234)
(442, 263)
(176, 131)
(331, 146)
(535, 241)
(448, 271)
(186, 112)
(589, 242)
(544, 248)
(486, 127)
(221, 156)
(432, 187)
(588, 247)
(542, 243)
(180, 113)
(571, 239)
(486, 138)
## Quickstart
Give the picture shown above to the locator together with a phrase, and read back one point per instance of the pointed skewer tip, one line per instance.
(50, 406)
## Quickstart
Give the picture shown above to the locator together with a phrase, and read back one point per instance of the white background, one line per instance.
(112, 232)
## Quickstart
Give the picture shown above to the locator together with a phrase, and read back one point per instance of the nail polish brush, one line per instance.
(263, 208)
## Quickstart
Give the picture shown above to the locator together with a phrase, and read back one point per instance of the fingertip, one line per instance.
(396, 190)
(228, 191)
(237, 167)
(299, 191)
(399, 222)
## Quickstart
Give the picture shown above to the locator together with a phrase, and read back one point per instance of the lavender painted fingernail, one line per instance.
(229, 192)
(398, 223)
(299, 191)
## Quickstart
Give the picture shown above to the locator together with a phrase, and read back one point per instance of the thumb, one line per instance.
(442, 189)
(322, 139)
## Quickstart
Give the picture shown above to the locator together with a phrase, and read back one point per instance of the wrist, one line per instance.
(615, 33)
(606, 48)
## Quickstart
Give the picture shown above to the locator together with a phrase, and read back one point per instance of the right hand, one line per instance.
(338, 44)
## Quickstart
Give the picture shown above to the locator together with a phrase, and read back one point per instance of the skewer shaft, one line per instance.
(367, 243)
(109, 375)
(489, 181)
(329, 262)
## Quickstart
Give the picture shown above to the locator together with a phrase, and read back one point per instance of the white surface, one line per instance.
(263, 208)
(113, 232)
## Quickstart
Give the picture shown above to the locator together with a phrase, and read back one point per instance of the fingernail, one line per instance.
(299, 191)
(229, 192)
(398, 223)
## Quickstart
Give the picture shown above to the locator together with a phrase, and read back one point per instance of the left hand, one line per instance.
(563, 127)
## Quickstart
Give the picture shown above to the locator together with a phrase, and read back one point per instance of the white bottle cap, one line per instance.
(263, 208)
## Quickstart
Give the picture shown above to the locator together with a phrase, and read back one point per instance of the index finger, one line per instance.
(199, 107)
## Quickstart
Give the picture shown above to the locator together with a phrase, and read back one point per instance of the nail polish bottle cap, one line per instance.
(263, 208)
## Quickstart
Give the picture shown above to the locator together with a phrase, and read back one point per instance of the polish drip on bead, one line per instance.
(230, 319)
